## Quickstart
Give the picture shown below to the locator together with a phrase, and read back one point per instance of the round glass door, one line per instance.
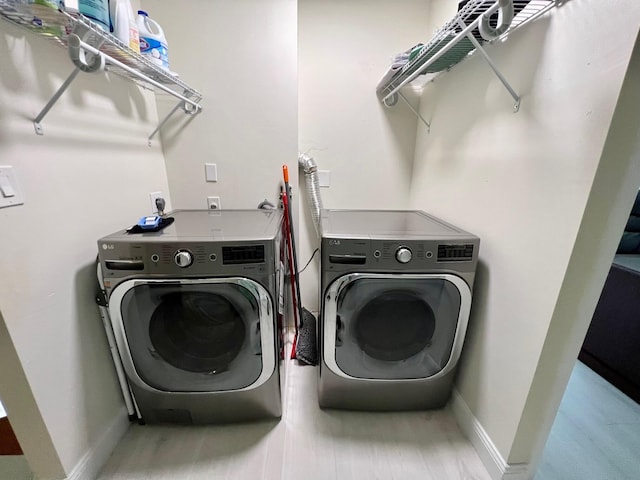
(193, 337)
(197, 331)
(391, 327)
(410, 331)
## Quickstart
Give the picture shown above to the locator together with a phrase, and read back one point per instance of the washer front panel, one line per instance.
(194, 335)
(394, 327)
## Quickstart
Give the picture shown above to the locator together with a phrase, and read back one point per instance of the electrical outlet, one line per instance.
(152, 199)
(213, 203)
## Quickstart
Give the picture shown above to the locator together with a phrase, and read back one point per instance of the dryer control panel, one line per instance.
(360, 254)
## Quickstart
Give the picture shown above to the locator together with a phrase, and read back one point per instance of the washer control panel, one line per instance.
(193, 258)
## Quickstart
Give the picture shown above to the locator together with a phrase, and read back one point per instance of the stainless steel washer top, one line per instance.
(197, 243)
(211, 225)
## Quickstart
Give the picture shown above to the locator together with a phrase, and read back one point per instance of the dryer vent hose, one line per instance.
(506, 16)
(313, 187)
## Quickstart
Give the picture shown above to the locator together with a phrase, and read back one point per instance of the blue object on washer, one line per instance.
(150, 222)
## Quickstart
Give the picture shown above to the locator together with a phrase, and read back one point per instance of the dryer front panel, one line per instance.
(198, 335)
(394, 326)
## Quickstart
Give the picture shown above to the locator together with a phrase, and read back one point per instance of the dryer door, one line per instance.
(394, 326)
(198, 335)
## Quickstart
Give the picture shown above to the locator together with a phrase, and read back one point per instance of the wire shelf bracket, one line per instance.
(483, 52)
(53, 100)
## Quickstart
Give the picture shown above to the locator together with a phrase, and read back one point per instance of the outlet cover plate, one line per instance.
(213, 203)
(152, 199)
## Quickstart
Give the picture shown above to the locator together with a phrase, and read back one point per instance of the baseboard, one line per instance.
(493, 461)
(92, 461)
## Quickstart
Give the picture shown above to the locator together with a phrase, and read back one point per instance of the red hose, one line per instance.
(287, 228)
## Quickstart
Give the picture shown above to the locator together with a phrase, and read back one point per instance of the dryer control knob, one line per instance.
(403, 255)
(183, 258)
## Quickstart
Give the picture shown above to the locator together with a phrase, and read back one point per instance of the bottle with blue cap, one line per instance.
(153, 44)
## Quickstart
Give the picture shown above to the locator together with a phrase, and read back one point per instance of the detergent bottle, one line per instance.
(97, 11)
(153, 44)
(123, 24)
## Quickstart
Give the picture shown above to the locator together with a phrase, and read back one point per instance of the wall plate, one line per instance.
(10, 193)
(213, 203)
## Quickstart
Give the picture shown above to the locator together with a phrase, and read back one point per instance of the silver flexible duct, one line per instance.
(79, 56)
(313, 187)
(506, 16)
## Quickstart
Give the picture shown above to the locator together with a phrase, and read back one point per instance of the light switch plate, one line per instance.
(11, 188)
(324, 178)
(211, 172)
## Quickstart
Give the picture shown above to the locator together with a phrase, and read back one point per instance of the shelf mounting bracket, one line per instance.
(93, 63)
(493, 66)
(416, 112)
(187, 107)
(52, 101)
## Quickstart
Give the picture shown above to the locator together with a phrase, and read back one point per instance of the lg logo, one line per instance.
(334, 242)
(108, 246)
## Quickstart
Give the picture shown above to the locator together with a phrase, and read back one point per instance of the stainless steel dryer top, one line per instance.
(207, 225)
(386, 224)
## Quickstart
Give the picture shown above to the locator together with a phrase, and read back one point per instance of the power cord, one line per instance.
(307, 264)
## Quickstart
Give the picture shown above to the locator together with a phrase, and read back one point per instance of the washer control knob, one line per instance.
(403, 255)
(183, 258)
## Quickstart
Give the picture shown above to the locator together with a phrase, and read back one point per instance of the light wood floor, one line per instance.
(307, 443)
(596, 433)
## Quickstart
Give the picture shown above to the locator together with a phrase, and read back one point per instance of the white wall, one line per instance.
(89, 175)
(242, 57)
(265, 64)
(344, 50)
(614, 189)
(521, 182)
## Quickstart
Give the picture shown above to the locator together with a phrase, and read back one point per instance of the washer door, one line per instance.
(198, 335)
(394, 326)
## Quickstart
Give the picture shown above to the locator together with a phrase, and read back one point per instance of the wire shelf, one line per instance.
(456, 40)
(92, 49)
(57, 26)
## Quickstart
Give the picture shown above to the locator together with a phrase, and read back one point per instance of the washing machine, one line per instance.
(396, 295)
(192, 313)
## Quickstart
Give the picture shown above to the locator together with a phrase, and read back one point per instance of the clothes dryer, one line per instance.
(192, 312)
(396, 295)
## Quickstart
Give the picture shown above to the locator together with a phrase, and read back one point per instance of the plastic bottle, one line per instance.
(96, 10)
(123, 23)
(153, 44)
